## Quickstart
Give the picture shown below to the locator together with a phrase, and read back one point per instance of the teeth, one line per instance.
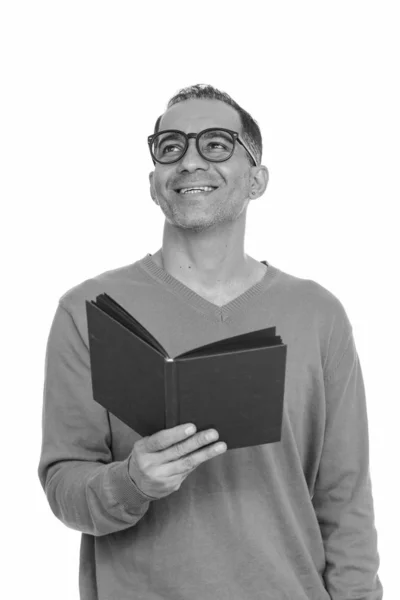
(195, 190)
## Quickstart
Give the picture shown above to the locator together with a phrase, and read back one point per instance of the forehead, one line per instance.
(197, 114)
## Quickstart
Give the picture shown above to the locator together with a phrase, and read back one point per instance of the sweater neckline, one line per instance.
(219, 313)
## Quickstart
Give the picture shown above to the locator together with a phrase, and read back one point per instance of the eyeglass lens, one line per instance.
(215, 145)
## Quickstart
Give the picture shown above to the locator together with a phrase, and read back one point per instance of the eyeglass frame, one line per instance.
(188, 136)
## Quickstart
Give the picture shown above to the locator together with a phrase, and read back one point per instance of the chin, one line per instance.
(198, 223)
(188, 224)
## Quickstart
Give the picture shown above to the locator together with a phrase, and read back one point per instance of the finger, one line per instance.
(185, 446)
(168, 437)
(190, 462)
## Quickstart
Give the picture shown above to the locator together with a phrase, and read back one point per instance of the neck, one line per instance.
(212, 259)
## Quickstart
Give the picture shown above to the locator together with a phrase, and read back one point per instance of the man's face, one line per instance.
(200, 211)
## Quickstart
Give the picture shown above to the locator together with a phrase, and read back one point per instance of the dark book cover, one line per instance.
(235, 385)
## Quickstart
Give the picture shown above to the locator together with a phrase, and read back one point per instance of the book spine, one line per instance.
(171, 393)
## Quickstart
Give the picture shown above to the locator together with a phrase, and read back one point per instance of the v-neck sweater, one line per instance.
(291, 520)
(220, 313)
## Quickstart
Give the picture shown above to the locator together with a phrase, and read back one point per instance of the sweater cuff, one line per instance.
(124, 489)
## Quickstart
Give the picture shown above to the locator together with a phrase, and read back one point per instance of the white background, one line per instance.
(82, 85)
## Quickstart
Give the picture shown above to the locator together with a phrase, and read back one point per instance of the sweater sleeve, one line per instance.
(86, 490)
(343, 496)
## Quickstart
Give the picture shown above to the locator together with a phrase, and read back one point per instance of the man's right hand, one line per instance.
(161, 462)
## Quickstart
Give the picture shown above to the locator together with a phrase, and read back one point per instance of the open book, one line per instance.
(235, 385)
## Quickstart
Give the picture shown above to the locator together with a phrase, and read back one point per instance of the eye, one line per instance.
(166, 148)
(217, 144)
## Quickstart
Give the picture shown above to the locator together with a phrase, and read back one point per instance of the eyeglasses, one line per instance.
(213, 144)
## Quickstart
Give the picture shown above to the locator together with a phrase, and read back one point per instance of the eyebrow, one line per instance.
(168, 136)
(223, 134)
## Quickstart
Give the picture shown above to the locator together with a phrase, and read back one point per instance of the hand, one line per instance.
(161, 462)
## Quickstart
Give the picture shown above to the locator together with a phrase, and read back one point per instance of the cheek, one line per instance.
(236, 176)
(240, 185)
(158, 185)
(160, 182)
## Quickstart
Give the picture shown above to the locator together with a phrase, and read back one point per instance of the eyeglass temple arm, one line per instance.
(247, 150)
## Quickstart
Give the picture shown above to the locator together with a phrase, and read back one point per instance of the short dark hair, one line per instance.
(251, 131)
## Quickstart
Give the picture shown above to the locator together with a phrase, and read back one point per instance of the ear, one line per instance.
(152, 189)
(260, 176)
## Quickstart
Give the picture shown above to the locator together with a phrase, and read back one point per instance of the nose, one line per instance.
(192, 160)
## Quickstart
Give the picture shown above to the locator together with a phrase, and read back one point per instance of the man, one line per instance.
(168, 517)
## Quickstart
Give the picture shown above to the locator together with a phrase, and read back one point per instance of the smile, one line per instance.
(199, 190)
